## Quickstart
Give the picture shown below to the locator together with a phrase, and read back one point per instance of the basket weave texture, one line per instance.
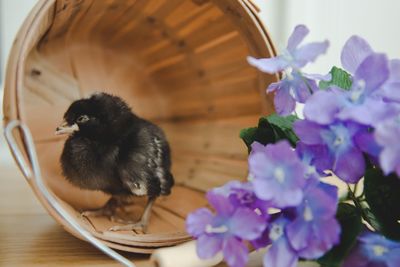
(179, 63)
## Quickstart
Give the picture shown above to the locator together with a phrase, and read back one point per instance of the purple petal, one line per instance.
(308, 132)
(284, 102)
(197, 221)
(274, 86)
(235, 252)
(350, 166)
(390, 91)
(330, 236)
(314, 155)
(387, 133)
(391, 88)
(323, 160)
(262, 241)
(281, 255)
(332, 192)
(309, 53)
(226, 189)
(220, 203)
(278, 174)
(366, 142)
(246, 224)
(374, 71)
(322, 200)
(393, 258)
(364, 252)
(354, 52)
(257, 165)
(371, 112)
(257, 147)
(326, 235)
(394, 67)
(389, 160)
(264, 189)
(298, 233)
(281, 150)
(269, 65)
(288, 198)
(303, 90)
(300, 31)
(322, 106)
(208, 246)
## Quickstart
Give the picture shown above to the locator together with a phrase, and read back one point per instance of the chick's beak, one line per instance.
(65, 128)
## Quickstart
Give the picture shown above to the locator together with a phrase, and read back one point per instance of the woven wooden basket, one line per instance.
(179, 63)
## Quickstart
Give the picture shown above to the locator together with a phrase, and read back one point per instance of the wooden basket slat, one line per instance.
(184, 13)
(180, 63)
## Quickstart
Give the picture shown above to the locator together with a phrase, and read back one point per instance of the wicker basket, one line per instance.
(180, 63)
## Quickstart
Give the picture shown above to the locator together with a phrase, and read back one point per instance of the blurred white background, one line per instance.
(376, 20)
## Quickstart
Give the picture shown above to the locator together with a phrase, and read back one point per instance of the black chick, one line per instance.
(110, 149)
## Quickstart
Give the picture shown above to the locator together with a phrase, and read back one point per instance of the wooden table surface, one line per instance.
(30, 237)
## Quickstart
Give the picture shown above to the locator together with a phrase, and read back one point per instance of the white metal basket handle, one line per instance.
(32, 171)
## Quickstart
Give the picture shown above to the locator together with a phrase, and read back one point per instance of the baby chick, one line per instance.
(110, 149)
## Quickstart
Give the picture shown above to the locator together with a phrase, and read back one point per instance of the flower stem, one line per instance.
(357, 202)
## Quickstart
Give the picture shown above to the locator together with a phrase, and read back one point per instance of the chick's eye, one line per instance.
(82, 119)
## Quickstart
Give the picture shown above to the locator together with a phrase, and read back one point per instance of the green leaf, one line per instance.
(372, 220)
(349, 218)
(248, 135)
(340, 78)
(263, 135)
(283, 127)
(382, 194)
(270, 129)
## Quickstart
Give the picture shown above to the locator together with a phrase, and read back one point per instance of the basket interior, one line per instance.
(179, 63)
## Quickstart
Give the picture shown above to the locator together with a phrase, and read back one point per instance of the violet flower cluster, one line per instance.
(295, 85)
(282, 180)
(285, 205)
(344, 124)
(373, 249)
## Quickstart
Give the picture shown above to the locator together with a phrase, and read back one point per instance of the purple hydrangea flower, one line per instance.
(225, 230)
(361, 103)
(278, 174)
(293, 57)
(281, 253)
(241, 194)
(387, 135)
(291, 89)
(367, 143)
(364, 102)
(315, 229)
(391, 89)
(294, 87)
(315, 159)
(345, 158)
(373, 249)
(355, 51)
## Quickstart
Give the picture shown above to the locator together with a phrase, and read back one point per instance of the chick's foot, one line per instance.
(140, 225)
(109, 210)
